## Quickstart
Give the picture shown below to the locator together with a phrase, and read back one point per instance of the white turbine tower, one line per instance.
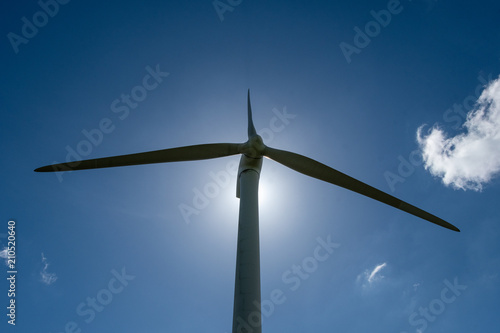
(247, 283)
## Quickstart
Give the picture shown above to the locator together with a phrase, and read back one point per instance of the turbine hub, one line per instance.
(254, 147)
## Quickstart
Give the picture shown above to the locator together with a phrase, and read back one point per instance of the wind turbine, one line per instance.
(247, 282)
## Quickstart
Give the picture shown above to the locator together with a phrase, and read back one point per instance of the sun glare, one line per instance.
(271, 203)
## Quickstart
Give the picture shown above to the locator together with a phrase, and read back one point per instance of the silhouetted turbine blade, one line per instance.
(251, 129)
(188, 153)
(320, 171)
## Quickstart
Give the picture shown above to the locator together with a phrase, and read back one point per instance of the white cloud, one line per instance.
(373, 275)
(367, 278)
(3, 254)
(47, 278)
(468, 160)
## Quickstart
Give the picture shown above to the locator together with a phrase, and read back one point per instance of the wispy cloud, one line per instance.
(471, 159)
(3, 254)
(369, 277)
(373, 275)
(47, 278)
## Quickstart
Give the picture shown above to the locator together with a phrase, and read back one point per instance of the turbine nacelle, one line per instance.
(254, 147)
(248, 164)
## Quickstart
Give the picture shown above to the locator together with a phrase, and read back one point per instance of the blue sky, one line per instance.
(401, 95)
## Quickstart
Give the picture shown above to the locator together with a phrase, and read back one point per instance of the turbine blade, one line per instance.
(188, 153)
(251, 129)
(320, 171)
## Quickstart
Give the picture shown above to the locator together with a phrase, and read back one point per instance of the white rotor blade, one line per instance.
(251, 128)
(320, 171)
(187, 153)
